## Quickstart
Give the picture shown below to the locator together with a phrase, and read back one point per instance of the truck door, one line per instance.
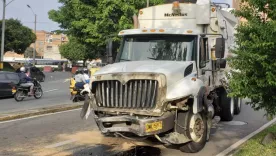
(205, 64)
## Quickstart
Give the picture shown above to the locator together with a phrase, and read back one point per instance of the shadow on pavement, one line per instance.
(8, 97)
(140, 151)
(103, 150)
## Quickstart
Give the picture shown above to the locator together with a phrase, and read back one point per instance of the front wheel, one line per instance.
(196, 130)
(38, 93)
(19, 96)
(42, 79)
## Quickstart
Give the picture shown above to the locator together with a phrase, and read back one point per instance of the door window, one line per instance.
(204, 52)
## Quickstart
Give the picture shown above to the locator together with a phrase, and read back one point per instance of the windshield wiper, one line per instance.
(125, 59)
(152, 58)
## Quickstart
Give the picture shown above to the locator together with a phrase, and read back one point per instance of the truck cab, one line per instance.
(168, 80)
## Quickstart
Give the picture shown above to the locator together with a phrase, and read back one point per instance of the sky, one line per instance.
(18, 9)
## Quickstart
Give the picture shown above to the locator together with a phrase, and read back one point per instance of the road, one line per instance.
(66, 134)
(56, 92)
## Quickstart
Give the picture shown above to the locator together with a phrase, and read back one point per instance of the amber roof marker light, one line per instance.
(176, 7)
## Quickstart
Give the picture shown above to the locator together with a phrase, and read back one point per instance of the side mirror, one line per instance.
(220, 47)
(109, 52)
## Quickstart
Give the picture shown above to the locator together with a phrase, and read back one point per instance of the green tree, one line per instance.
(17, 36)
(29, 52)
(74, 50)
(254, 57)
(92, 22)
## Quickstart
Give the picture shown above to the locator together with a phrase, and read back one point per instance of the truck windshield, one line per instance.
(158, 47)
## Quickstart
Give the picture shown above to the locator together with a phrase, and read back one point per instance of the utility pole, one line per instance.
(34, 43)
(3, 36)
(147, 3)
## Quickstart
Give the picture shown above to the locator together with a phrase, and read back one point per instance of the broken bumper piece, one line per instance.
(140, 126)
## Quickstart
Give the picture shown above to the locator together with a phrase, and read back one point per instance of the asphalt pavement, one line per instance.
(56, 92)
(66, 134)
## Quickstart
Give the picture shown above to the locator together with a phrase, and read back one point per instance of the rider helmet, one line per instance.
(85, 70)
(23, 69)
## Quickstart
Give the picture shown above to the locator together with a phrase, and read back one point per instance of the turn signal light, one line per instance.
(213, 9)
(176, 4)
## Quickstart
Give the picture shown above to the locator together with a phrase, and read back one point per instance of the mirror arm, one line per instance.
(203, 35)
(211, 70)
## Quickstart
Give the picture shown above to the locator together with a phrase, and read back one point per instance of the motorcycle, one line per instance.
(78, 94)
(22, 92)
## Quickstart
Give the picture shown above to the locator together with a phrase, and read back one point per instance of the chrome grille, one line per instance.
(135, 94)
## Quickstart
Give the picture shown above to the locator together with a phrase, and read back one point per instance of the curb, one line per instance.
(236, 145)
(39, 111)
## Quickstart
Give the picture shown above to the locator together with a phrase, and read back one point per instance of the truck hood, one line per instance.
(173, 70)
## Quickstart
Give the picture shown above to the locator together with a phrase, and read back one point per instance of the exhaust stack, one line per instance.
(135, 21)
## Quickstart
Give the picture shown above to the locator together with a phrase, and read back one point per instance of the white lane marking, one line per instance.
(50, 90)
(66, 80)
(31, 117)
(61, 143)
(238, 143)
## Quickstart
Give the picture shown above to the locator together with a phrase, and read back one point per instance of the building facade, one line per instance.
(47, 44)
(236, 4)
(52, 43)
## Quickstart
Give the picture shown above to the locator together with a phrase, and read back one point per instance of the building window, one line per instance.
(49, 47)
(40, 42)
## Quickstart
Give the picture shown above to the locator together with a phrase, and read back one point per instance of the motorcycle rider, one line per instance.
(25, 80)
(80, 79)
(86, 76)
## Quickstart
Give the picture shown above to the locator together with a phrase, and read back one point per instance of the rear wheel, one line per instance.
(196, 130)
(237, 105)
(19, 96)
(226, 105)
(38, 93)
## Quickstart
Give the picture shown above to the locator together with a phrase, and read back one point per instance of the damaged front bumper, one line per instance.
(139, 125)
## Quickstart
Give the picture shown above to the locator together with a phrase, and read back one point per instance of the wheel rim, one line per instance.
(232, 106)
(197, 128)
(38, 93)
(19, 95)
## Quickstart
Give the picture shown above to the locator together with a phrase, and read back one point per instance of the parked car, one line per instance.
(7, 79)
(34, 72)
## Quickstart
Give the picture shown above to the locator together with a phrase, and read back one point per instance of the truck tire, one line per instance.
(196, 130)
(226, 105)
(237, 105)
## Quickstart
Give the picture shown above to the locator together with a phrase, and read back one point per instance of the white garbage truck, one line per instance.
(168, 80)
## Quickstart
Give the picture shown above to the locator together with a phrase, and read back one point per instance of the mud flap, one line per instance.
(72, 97)
(86, 108)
